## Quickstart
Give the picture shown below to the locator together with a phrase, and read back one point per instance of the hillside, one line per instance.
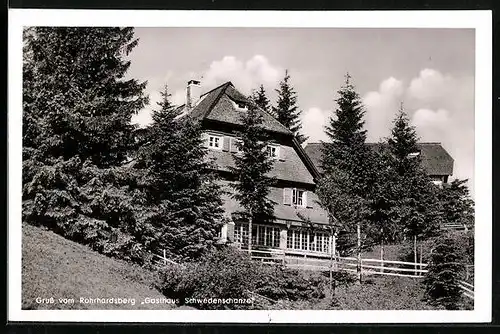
(53, 266)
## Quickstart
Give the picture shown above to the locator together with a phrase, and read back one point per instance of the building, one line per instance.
(299, 223)
(436, 161)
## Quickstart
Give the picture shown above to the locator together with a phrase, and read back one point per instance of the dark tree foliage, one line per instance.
(457, 205)
(286, 111)
(182, 208)
(385, 226)
(77, 108)
(402, 144)
(443, 276)
(347, 184)
(415, 199)
(260, 99)
(252, 167)
(346, 150)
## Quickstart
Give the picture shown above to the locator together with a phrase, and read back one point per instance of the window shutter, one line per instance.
(225, 143)
(308, 203)
(287, 196)
(205, 137)
(282, 153)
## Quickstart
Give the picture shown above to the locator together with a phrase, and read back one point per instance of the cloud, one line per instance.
(381, 107)
(431, 86)
(313, 123)
(444, 112)
(246, 75)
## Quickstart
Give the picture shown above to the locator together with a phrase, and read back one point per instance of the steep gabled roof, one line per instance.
(435, 159)
(218, 105)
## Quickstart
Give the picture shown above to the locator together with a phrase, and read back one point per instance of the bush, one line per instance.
(278, 282)
(229, 273)
(442, 280)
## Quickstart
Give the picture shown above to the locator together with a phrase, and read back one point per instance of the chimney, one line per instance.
(193, 93)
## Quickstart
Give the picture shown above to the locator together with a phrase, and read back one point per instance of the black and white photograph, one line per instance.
(207, 168)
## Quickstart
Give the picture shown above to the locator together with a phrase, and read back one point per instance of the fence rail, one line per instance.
(323, 262)
(467, 289)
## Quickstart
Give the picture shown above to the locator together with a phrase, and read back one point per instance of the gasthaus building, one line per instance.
(300, 225)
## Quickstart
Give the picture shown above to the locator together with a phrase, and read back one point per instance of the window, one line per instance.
(299, 197)
(215, 142)
(308, 240)
(273, 151)
(262, 235)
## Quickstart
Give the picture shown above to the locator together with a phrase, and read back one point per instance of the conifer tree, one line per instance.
(457, 205)
(402, 144)
(260, 99)
(252, 185)
(346, 149)
(77, 133)
(416, 201)
(286, 111)
(182, 206)
(348, 166)
(441, 282)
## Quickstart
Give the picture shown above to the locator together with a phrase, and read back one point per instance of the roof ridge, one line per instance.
(222, 88)
(210, 91)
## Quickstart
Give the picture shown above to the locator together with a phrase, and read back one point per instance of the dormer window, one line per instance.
(239, 105)
(273, 151)
(215, 142)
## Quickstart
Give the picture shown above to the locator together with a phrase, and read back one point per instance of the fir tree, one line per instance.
(403, 143)
(457, 205)
(348, 166)
(442, 281)
(415, 202)
(260, 99)
(182, 206)
(346, 149)
(77, 110)
(286, 111)
(251, 169)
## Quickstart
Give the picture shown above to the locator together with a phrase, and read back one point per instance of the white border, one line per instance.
(480, 20)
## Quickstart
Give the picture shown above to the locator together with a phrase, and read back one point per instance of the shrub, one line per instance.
(229, 273)
(442, 279)
(278, 282)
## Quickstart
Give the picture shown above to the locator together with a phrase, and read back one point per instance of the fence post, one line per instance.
(164, 257)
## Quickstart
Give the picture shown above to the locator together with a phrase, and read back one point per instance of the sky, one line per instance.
(430, 71)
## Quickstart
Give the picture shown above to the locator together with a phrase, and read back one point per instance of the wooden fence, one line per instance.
(324, 262)
(161, 260)
(467, 289)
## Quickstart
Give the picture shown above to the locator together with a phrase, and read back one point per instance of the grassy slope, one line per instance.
(53, 266)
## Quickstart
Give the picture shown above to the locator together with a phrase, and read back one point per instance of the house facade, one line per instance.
(299, 223)
(436, 161)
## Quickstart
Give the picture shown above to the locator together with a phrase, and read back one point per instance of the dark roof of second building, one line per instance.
(435, 159)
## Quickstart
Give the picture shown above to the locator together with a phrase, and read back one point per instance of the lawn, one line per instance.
(53, 266)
